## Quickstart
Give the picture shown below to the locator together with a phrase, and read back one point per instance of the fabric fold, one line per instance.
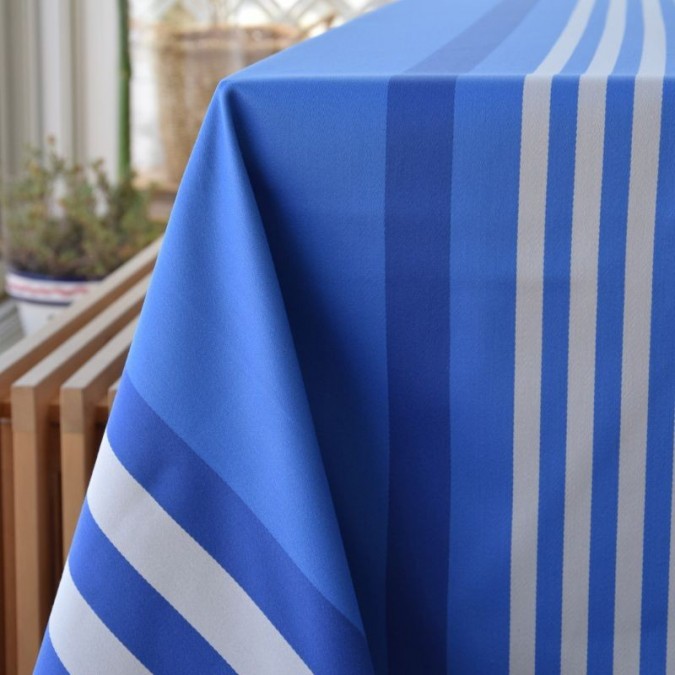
(214, 362)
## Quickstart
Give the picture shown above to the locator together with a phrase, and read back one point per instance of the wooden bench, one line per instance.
(56, 389)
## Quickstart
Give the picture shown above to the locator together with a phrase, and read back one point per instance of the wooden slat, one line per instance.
(14, 363)
(80, 395)
(101, 411)
(32, 349)
(112, 392)
(7, 578)
(54, 411)
(54, 501)
(34, 456)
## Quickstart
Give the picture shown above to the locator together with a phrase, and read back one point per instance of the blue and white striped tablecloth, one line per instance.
(402, 394)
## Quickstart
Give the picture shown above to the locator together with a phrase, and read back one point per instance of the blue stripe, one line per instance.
(150, 628)
(419, 152)
(420, 118)
(557, 258)
(608, 352)
(197, 344)
(631, 49)
(529, 45)
(482, 358)
(48, 662)
(557, 252)
(338, 320)
(661, 399)
(173, 474)
(465, 51)
(607, 413)
(585, 50)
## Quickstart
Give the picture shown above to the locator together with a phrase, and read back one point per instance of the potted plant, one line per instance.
(65, 228)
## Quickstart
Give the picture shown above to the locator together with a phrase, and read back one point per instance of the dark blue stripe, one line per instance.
(478, 41)
(419, 169)
(661, 401)
(48, 662)
(607, 412)
(557, 255)
(173, 474)
(420, 118)
(151, 629)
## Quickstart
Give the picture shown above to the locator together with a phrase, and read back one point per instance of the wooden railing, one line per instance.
(56, 389)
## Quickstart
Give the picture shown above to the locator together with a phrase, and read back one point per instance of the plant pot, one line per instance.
(39, 298)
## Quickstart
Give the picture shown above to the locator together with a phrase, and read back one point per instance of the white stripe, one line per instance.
(646, 137)
(588, 165)
(564, 47)
(83, 643)
(527, 375)
(653, 60)
(178, 568)
(528, 342)
(670, 636)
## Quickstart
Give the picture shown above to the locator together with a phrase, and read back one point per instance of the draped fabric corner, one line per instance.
(402, 394)
(166, 501)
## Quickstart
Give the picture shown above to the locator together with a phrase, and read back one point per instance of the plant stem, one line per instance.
(124, 150)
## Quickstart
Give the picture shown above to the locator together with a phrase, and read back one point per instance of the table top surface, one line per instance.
(487, 38)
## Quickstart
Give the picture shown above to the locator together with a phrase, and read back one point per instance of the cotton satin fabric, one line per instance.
(401, 398)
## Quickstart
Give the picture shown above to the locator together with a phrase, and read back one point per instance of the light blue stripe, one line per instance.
(482, 327)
